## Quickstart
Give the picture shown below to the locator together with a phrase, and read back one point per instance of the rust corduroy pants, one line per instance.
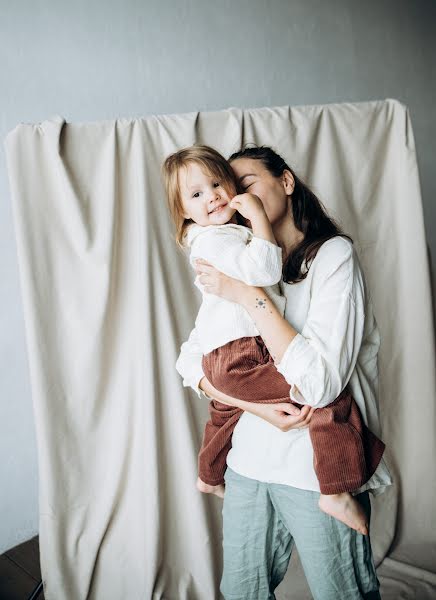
(346, 452)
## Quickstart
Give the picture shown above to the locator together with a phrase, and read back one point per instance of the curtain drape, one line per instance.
(108, 300)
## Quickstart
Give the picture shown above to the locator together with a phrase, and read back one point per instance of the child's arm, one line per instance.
(257, 263)
(262, 227)
(250, 206)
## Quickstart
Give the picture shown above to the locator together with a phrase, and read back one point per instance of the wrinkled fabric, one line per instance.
(108, 299)
(263, 522)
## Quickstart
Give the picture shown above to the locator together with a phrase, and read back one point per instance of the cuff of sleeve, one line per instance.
(196, 387)
(297, 360)
(296, 395)
(199, 392)
(265, 245)
(269, 254)
(302, 365)
(194, 381)
(296, 352)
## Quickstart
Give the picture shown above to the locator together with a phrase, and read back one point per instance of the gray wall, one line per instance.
(98, 60)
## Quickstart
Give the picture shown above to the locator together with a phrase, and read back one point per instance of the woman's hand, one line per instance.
(216, 282)
(284, 415)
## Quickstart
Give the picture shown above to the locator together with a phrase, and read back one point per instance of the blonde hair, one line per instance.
(212, 162)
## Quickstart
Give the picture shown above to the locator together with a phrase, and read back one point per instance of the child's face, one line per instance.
(201, 194)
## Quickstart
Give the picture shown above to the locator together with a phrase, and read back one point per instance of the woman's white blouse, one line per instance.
(337, 343)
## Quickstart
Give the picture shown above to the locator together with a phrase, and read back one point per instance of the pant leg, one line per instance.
(217, 442)
(346, 453)
(242, 368)
(256, 544)
(336, 559)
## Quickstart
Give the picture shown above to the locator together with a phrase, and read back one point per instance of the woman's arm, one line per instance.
(283, 415)
(318, 362)
(275, 330)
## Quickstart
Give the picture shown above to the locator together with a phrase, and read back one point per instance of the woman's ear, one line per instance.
(288, 181)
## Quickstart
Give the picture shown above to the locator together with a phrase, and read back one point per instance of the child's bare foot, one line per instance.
(346, 509)
(218, 490)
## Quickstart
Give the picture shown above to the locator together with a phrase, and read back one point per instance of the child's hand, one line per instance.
(249, 205)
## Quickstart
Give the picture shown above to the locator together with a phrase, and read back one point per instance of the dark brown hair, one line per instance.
(310, 215)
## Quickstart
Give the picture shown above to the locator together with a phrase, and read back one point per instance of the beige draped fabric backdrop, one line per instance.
(108, 300)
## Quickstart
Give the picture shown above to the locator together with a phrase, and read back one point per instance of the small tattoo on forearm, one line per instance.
(260, 302)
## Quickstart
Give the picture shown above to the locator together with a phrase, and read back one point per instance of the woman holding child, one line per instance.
(324, 347)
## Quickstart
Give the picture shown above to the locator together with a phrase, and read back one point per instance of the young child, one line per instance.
(208, 214)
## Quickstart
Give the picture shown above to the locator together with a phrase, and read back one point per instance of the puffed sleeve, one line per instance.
(189, 363)
(257, 263)
(319, 361)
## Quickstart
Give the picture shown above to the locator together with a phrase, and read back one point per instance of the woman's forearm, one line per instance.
(210, 390)
(274, 329)
(283, 415)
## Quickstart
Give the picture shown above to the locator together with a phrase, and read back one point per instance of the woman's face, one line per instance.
(255, 178)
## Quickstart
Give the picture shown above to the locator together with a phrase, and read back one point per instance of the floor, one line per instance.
(20, 571)
(20, 574)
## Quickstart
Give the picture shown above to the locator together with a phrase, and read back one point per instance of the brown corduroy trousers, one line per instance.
(346, 452)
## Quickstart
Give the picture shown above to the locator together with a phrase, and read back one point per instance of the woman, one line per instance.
(328, 338)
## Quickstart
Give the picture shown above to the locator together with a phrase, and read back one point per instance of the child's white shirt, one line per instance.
(337, 343)
(235, 251)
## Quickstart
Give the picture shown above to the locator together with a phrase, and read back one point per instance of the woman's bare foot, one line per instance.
(218, 490)
(346, 509)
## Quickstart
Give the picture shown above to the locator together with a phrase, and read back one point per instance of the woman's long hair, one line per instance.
(310, 215)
